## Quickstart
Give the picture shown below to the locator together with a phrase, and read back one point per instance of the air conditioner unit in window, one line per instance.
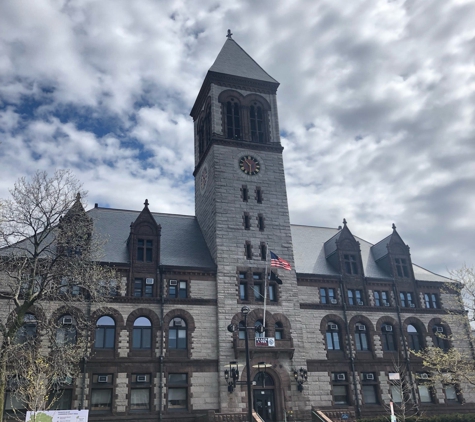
(439, 330)
(370, 377)
(387, 304)
(177, 322)
(333, 326)
(360, 302)
(412, 305)
(341, 377)
(388, 328)
(149, 281)
(333, 301)
(173, 282)
(424, 376)
(67, 320)
(361, 327)
(102, 378)
(141, 378)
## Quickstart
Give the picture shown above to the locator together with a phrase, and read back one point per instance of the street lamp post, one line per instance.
(245, 311)
(232, 328)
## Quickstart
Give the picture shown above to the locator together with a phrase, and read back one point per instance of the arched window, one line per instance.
(142, 334)
(66, 332)
(177, 334)
(440, 337)
(279, 331)
(233, 120)
(105, 333)
(387, 338)
(242, 330)
(415, 339)
(258, 326)
(256, 118)
(333, 337)
(28, 330)
(361, 337)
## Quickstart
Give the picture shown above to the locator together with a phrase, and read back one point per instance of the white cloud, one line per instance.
(376, 105)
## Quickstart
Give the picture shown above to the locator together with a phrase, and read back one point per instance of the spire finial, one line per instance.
(146, 203)
(78, 196)
(394, 226)
(230, 35)
(344, 221)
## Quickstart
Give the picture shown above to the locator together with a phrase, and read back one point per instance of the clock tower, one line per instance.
(241, 206)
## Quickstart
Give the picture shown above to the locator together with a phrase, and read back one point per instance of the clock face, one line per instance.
(249, 165)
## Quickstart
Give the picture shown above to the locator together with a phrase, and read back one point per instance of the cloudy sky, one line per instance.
(376, 106)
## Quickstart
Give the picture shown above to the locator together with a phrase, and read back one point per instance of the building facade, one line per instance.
(341, 322)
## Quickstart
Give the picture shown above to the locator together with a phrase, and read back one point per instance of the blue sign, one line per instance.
(345, 416)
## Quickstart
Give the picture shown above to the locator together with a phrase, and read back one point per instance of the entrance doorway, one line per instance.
(263, 395)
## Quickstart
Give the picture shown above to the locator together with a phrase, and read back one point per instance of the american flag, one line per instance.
(275, 261)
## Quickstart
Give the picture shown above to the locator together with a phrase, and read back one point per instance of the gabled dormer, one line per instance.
(393, 256)
(343, 252)
(75, 231)
(144, 252)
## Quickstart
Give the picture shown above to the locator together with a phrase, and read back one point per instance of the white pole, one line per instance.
(265, 288)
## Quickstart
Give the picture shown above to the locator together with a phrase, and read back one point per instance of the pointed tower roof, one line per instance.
(234, 67)
(233, 60)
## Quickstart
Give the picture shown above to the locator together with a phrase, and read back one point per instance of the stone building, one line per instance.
(343, 320)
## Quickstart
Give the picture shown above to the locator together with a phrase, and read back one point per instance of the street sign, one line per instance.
(345, 416)
(265, 342)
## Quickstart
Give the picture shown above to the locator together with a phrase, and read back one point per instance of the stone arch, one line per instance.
(75, 312)
(282, 383)
(258, 314)
(230, 93)
(145, 312)
(108, 311)
(332, 318)
(370, 331)
(420, 327)
(119, 325)
(190, 328)
(278, 317)
(386, 319)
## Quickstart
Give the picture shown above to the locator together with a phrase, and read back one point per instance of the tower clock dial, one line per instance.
(249, 165)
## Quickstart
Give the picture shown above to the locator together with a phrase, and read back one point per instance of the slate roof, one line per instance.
(379, 250)
(309, 255)
(182, 243)
(233, 60)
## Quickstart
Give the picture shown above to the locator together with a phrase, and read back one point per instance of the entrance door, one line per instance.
(263, 395)
(264, 404)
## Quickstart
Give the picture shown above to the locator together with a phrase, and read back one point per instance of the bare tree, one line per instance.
(402, 393)
(49, 258)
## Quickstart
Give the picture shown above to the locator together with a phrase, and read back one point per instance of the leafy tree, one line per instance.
(49, 258)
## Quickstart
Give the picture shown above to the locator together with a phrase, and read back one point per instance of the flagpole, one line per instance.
(265, 289)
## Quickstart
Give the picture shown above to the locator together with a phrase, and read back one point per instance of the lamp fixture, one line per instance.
(300, 377)
(231, 375)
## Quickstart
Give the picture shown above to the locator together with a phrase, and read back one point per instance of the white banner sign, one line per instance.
(57, 416)
(265, 341)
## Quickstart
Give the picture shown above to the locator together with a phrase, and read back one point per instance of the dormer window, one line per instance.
(401, 267)
(351, 266)
(144, 250)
